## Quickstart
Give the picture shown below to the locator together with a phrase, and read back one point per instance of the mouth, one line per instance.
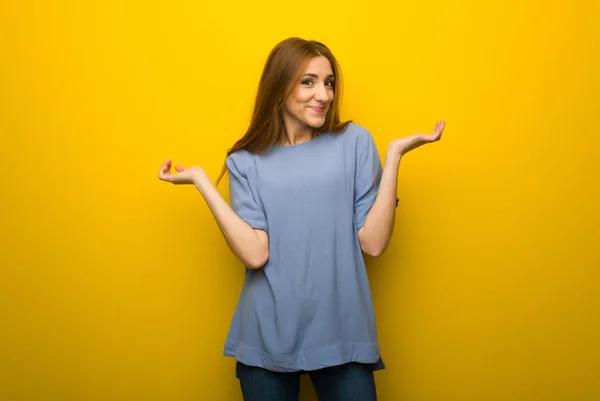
(318, 109)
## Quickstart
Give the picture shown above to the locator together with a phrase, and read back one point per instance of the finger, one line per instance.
(439, 127)
(164, 175)
(164, 168)
(179, 168)
(166, 165)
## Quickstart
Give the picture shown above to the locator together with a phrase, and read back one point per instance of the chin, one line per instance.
(316, 123)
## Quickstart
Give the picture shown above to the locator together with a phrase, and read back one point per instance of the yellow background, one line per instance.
(116, 286)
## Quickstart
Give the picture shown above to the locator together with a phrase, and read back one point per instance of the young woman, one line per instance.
(308, 197)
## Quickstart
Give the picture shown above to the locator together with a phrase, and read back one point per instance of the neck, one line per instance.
(296, 134)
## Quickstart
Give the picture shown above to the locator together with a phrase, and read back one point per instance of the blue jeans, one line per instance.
(348, 382)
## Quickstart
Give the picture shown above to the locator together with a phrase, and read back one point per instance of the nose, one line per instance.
(321, 94)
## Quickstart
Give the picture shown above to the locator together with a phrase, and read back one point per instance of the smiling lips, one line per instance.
(318, 109)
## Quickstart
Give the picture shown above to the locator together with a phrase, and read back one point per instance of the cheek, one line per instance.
(304, 98)
(294, 102)
(302, 95)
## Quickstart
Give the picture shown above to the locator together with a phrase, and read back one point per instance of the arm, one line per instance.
(250, 245)
(375, 235)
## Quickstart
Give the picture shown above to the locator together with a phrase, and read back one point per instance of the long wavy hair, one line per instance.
(283, 68)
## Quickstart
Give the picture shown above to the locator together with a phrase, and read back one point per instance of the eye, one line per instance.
(307, 82)
(330, 83)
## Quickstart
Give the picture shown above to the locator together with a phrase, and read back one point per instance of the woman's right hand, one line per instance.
(183, 175)
(250, 245)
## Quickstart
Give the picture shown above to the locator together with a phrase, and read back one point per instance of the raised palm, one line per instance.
(183, 175)
(405, 145)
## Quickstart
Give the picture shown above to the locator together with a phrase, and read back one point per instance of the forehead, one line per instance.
(319, 65)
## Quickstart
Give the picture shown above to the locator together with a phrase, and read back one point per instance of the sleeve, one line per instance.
(242, 197)
(367, 177)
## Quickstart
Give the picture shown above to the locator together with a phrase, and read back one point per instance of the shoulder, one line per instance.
(240, 161)
(358, 136)
(358, 133)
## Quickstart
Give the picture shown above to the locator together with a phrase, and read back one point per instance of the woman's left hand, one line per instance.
(402, 146)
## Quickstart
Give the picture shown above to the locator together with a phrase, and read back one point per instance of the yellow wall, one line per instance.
(116, 286)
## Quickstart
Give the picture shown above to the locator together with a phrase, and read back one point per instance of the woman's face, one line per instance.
(311, 96)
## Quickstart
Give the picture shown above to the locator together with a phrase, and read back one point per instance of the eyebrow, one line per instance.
(316, 76)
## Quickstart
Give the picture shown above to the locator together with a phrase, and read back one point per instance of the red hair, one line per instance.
(283, 67)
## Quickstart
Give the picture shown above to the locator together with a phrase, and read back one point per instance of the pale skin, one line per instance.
(304, 110)
(375, 235)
